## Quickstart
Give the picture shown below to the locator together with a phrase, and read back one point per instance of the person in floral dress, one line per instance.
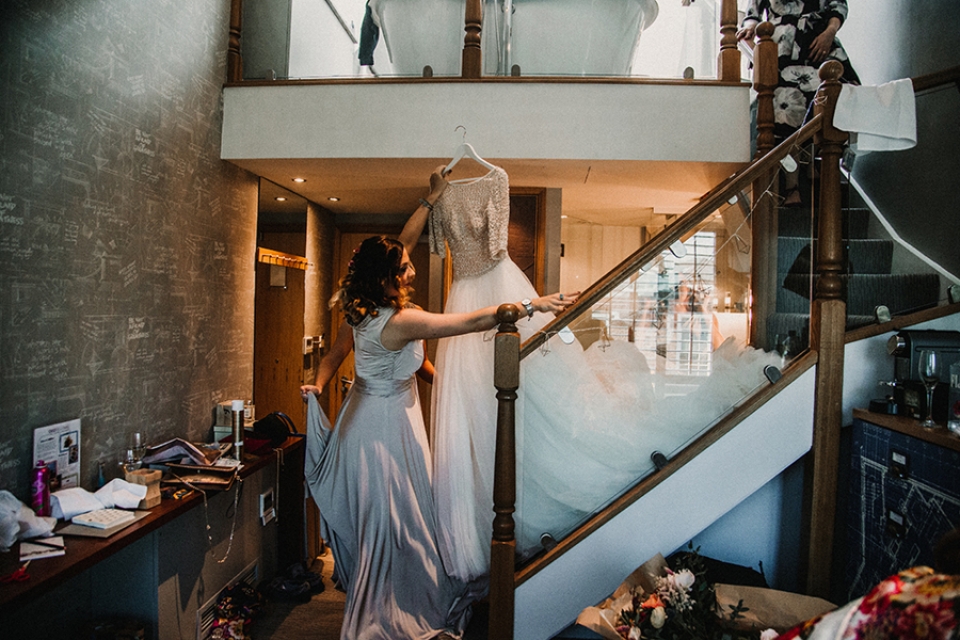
(806, 35)
(913, 604)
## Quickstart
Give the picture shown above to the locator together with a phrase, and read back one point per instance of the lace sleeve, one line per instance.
(435, 232)
(498, 216)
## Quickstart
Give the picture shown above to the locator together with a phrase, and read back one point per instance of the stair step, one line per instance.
(781, 324)
(901, 293)
(864, 256)
(797, 222)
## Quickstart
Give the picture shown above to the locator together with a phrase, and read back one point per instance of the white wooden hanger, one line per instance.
(466, 150)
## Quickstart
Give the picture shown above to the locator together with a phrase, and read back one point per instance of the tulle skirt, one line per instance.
(588, 421)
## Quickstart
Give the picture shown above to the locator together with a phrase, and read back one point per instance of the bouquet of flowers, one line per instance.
(660, 602)
(681, 606)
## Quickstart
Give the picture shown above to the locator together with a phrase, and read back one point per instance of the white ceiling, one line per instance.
(628, 193)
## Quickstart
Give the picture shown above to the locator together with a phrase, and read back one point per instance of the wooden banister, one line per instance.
(827, 331)
(764, 281)
(766, 74)
(234, 59)
(728, 61)
(937, 79)
(506, 373)
(472, 61)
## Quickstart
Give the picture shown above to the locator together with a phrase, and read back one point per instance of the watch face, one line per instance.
(527, 306)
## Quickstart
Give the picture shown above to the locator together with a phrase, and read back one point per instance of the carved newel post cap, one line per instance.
(765, 29)
(508, 312)
(830, 71)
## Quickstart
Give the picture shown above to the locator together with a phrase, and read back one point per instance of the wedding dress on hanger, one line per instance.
(466, 150)
(586, 419)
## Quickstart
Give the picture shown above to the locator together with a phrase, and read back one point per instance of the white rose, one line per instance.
(634, 634)
(685, 579)
(769, 634)
(658, 617)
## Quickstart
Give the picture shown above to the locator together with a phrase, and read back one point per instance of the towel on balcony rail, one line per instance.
(883, 117)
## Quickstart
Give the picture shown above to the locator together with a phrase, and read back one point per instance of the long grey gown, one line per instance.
(370, 478)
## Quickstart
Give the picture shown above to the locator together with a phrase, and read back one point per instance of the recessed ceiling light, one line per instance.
(563, 217)
(280, 199)
(299, 179)
(333, 199)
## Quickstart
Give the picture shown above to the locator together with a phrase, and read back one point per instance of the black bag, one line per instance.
(275, 427)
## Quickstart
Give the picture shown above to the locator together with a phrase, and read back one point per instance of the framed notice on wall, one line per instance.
(58, 445)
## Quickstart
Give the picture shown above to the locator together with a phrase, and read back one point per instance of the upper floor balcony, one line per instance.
(589, 98)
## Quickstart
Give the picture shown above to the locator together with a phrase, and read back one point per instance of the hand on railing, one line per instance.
(748, 31)
(555, 303)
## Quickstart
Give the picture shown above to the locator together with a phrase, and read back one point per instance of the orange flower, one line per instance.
(652, 602)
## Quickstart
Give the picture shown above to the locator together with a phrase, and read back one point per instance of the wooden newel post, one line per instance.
(506, 378)
(831, 141)
(472, 63)
(766, 75)
(827, 328)
(763, 263)
(728, 62)
(234, 59)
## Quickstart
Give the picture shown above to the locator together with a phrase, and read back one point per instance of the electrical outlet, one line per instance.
(267, 510)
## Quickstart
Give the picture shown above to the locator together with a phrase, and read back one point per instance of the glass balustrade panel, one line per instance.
(312, 39)
(637, 378)
(901, 209)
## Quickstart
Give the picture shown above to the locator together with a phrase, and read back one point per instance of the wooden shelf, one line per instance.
(85, 552)
(911, 427)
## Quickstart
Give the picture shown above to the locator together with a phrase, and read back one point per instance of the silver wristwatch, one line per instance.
(528, 306)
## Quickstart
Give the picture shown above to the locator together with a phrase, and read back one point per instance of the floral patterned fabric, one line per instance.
(796, 24)
(915, 603)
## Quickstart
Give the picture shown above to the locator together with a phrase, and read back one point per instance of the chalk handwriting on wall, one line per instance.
(126, 244)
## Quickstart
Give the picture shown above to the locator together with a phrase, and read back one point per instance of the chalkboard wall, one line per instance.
(127, 246)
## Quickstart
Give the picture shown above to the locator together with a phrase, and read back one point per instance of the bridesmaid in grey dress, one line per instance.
(370, 475)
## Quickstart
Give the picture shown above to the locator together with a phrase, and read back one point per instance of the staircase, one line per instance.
(775, 432)
(869, 280)
(727, 470)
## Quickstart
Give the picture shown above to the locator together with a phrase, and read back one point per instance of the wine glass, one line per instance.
(930, 375)
(137, 447)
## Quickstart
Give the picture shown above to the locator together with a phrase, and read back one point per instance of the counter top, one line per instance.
(911, 427)
(83, 552)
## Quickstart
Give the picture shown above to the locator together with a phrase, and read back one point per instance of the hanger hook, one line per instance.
(460, 126)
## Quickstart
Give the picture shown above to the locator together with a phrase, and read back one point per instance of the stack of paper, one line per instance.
(41, 548)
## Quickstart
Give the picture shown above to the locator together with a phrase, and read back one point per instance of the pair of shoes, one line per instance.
(288, 589)
(792, 199)
(299, 572)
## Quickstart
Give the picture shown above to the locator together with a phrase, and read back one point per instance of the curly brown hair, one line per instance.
(374, 268)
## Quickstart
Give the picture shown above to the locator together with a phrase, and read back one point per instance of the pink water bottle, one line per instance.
(40, 489)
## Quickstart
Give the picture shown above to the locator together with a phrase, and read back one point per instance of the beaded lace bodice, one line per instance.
(473, 219)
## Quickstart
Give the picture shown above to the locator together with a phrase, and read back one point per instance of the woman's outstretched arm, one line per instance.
(331, 362)
(416, 324)
(413, 229)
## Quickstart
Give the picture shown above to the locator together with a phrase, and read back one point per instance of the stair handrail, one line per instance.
(936, 80)
(827, 328)
(686, 223)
